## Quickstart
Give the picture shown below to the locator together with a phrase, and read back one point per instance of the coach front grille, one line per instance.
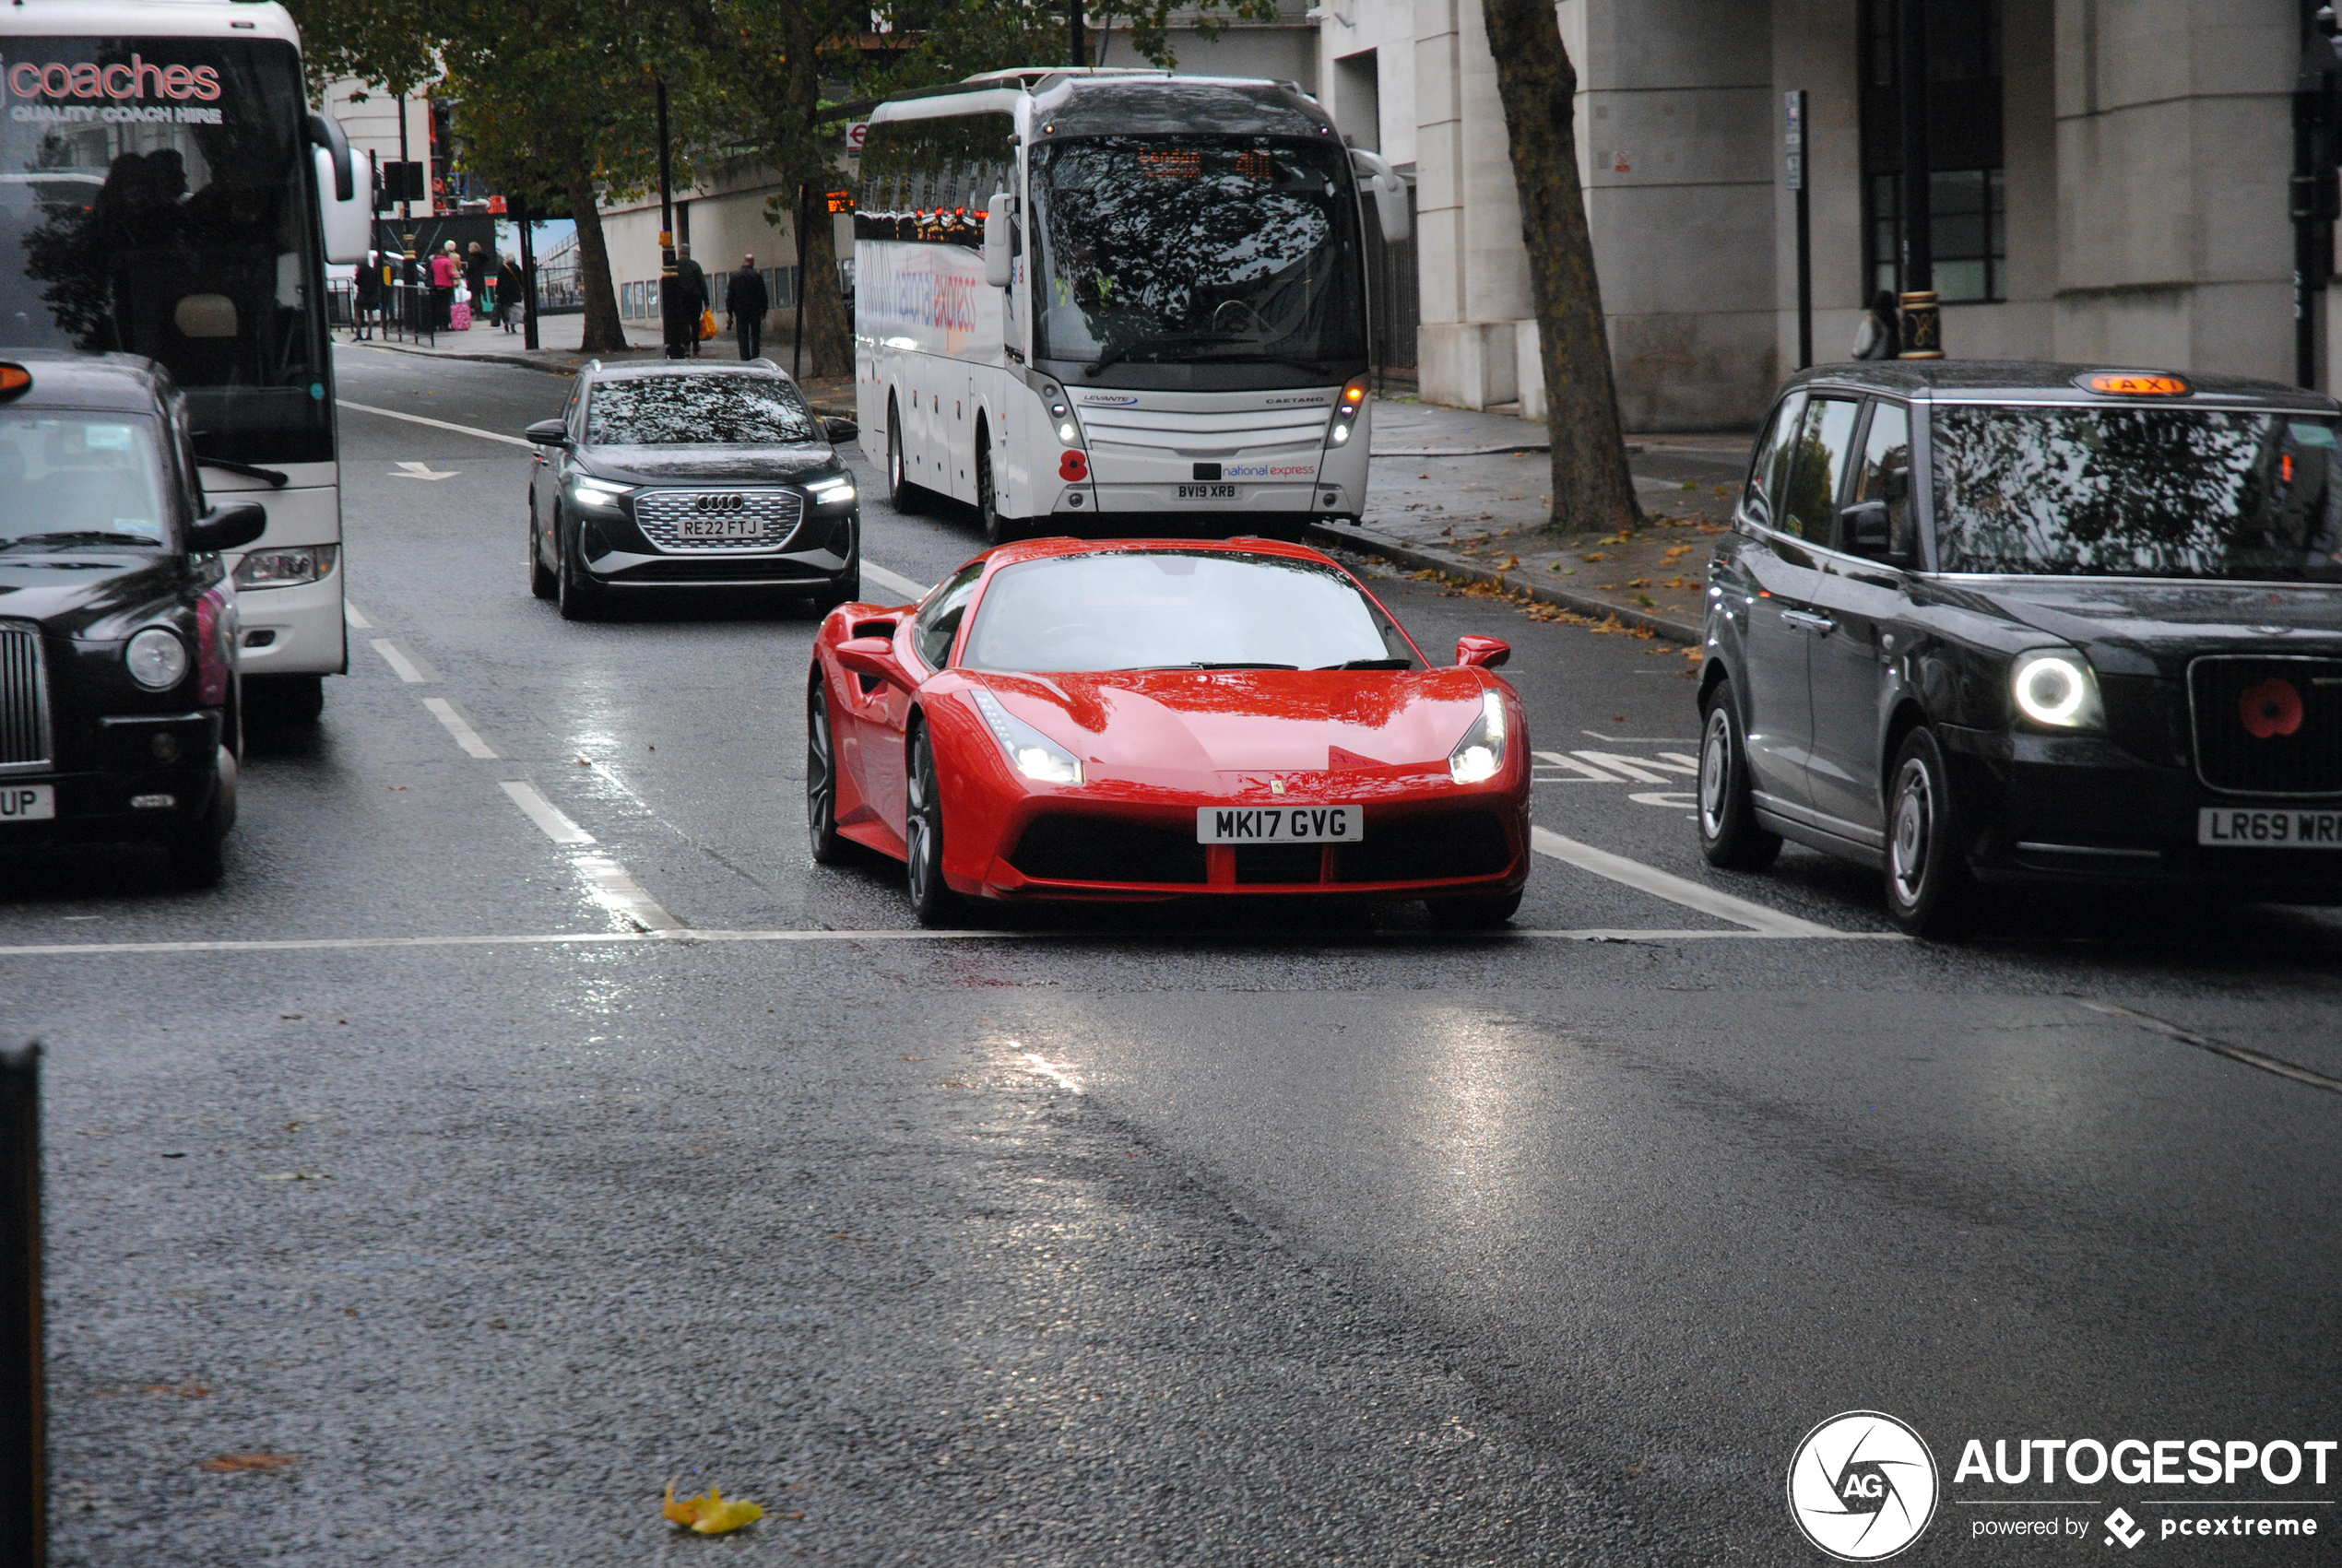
(24, 701)
(2267, 725)
(660, 514)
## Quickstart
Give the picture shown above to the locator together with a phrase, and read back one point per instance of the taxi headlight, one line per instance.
(157, 660)
(1480, 755)
(1030, 752)
(2056, 688)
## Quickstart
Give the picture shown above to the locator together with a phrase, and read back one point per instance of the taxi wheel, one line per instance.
(820, 781)
(1928, 885)
(931, 900)
(580, 600)
(197, 861)
(1472, 915)
(541, 581)
(1729, 835)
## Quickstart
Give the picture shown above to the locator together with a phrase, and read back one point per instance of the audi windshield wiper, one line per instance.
(82, 536)
(248, 470)
(1371, 664)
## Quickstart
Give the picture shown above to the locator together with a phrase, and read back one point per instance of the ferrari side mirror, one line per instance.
(874, 656)
(1482, 652)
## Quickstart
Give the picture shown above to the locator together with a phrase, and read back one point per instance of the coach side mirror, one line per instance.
(228, 527)
(874, 656)
(1482, 652)
(999, 224)
(838, 431)
(1390, 192)
(1863, 529)
(547, 433)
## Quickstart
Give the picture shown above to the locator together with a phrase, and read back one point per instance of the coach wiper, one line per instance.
(1116, 356)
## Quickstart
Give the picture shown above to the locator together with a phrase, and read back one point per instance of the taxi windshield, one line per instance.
(69, 479)
(1177, 609)
(701, 410)
(2137, 492)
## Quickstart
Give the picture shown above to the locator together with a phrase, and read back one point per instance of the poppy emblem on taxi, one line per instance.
(2270, 709)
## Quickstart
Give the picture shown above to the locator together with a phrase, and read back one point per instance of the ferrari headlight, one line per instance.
(1480, 755)
(831, 493)
(597, 493)
(2056, 687)
(157, 660)
(1030, 752)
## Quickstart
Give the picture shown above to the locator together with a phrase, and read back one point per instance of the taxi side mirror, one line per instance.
(1482, 652)
(226, 527)
(547, 433)
(1863, 529)
(874, 656)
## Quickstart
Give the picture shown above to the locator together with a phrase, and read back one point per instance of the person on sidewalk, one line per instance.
(508, 290)
(746, 301)
(477, 273)
(1878, 336)
(690, 282)
(369, 294)
(445, 271)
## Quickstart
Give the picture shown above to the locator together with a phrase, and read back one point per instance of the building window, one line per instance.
(1968, 207)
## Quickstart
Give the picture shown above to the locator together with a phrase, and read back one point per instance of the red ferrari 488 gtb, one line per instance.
(1158, 719)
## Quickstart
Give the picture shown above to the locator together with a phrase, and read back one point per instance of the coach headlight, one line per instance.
(599, 495)
(1480, 755)
(1030, 752)
(2055, 687)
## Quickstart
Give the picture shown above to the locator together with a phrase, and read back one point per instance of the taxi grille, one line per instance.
(24, 701)
(660, 514)
(2267, 725)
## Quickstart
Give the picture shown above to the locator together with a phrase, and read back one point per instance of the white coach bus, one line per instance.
(1126, 295)
(165, 191)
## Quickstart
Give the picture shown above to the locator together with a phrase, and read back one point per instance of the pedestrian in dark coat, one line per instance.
(1878, 336)
(509, 285)
(369, 294)
(691, 284)
(745, 301)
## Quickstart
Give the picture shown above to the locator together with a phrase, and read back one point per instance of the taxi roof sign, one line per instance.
(2134, 384)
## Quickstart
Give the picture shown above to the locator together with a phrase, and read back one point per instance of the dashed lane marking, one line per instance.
(465, 736)
(613, 889)
(893, 582)
(409, 668)
(1675, 890)
(2244, 1053)
(436, 424)
(1035, 1063)
(556, 827)
(352, 614)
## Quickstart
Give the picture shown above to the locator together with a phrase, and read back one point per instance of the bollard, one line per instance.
(24, 1488)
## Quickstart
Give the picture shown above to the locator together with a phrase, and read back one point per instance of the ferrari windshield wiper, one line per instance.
(82, 536)
(1371, 664)
(1233, 664)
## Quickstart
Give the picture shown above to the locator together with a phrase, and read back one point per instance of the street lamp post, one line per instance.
(1922, 322)
(1079, 31)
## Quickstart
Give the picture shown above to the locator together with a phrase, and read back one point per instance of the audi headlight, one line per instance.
(2056, 687)
(1029, 751)
(157, 660)
(831, 493)
(285, 568)
(1480, 755)
(600, 494)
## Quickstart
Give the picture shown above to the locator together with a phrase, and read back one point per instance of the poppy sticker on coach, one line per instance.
(2134, 384)
(1073, 467)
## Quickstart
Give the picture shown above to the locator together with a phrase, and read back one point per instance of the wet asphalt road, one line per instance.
(1149, 1237)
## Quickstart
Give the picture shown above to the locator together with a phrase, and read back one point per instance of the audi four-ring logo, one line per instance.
(719, 504)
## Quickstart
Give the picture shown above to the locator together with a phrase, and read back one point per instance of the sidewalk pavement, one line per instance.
(1466, 495)
(561, 352)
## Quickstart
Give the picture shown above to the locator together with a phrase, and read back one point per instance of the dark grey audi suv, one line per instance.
(675, 476)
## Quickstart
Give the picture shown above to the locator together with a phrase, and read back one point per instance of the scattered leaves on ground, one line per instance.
(226, 1464)
(710, 1514)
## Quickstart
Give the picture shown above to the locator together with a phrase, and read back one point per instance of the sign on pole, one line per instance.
(1793, 138)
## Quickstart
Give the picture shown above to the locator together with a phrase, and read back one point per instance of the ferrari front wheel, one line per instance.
(931, 900)
(821, 782)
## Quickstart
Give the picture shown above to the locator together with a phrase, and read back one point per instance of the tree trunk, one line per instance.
(828, 335)
(604, 335)
(1593, 492)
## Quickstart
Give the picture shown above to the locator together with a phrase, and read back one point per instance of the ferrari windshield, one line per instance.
(153, 201)
(1218, 248)
(1177, 609)
(2137, 492)
(697, 410)
(70, 478)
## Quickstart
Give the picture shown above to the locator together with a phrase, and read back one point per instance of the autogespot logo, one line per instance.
(1863, 1486)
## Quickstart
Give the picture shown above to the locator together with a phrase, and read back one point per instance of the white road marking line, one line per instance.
(622, 895)
(1689, 765)
(1674, 889)
(436, 424)
(2245, 1054)
(1585, 770)
(407, 670)
(1639, 739)
(1051, 1070)
(1682, 800)
(558, 828)
(1640, 768)
(893, 582)
(424, 471)
(349, 613)
(465, 736)
(690, 937)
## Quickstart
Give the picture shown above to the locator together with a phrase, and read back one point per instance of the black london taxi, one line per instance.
(1982, 623)
(118, 693)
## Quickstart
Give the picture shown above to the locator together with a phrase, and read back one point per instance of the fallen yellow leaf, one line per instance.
(711, 1516)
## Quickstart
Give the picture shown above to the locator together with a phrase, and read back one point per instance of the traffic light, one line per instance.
(2318, 132)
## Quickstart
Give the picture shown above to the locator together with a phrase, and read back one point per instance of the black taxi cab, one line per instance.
(1982, 623)
(118, 692)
